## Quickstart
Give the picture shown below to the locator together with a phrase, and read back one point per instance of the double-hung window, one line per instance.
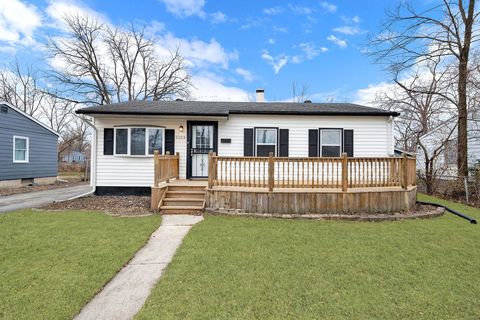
(330, 142)
(20, 149)
(139, 141)
(265, 141)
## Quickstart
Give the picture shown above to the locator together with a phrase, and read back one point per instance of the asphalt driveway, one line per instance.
(40, 198)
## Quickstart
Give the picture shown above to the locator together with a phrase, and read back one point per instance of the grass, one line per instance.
(246, 268)
(53, 263)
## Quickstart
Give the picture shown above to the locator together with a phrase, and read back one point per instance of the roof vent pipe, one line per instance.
(307, 101)
(260, 95)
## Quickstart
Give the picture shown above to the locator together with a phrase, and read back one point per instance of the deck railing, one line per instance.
(284, 172)
(166, 167)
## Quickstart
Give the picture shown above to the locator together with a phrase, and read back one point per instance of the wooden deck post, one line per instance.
(212, 169)
(344, 172)
(271, 171)
(156, 168)
(404, 171)
(177, 167)
(168, 167)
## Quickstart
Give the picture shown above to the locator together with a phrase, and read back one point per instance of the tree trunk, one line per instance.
(462, 157)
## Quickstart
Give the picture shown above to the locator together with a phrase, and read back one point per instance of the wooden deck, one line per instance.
(289, 185)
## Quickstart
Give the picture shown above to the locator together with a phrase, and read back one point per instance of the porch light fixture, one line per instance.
(180, 128)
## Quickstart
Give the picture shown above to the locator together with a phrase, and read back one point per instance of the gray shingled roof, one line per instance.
(205, 108)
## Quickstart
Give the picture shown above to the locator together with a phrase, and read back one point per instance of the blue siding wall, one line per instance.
(42, 148)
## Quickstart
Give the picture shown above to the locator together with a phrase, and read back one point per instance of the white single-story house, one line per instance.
(443, 141)
(126, 135)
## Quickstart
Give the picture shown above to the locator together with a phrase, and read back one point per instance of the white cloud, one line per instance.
(366, 96)
(339, 42)
(277, 63)
(302, 10)
(18, 21)
(279, 29)
(329, 7)
(351, 27)
(310, 50)
(247, 75)
(273, 10)
(59, 9)
(271, 41)
(199, 53)
(218, 17)
(350, 30)
(210, 88)
(185, 8)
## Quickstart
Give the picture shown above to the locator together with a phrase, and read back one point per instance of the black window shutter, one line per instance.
(348, 142)
(283, 148)
(247, 142)
(313, 143)
(108, 141)
(170, 141)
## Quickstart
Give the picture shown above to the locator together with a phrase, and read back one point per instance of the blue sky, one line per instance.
(233, 47)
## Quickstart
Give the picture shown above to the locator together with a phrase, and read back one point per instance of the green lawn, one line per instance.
(52, 263)
(246, 268)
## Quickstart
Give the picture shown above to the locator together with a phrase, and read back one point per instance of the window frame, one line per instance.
(27, 149)
(129, 141)
(320, 144)
(265, 144)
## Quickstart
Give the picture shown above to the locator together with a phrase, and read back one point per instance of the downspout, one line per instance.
(93, 161)
(391, 144)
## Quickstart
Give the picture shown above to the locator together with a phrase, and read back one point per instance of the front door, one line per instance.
(202, 138)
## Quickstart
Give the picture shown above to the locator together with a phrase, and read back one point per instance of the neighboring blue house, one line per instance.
(74, 157)
(28, 149)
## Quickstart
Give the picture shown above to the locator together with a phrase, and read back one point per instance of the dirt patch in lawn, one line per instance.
(118, 205)
(68, 182)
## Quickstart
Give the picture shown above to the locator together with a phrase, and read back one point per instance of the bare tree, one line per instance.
(444, 31)
(420, 108)
(103, 65)
(56, 112)
(299, 94)
(19, 87)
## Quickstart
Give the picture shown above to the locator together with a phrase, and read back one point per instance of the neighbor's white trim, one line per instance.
(27, 150)
(30, 117)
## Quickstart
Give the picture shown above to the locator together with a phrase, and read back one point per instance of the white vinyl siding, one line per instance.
(135, 171)
(371, 139)
(371, 133)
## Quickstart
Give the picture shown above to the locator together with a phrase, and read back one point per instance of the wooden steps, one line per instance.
(183, 199)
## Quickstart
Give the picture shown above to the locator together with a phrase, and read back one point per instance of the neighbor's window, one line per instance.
(265, 141)
(139, 141)
(330, 142)
(20, 149)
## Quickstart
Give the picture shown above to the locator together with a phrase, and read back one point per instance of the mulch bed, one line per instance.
(419, 212)
(25, 189)
(117, 205)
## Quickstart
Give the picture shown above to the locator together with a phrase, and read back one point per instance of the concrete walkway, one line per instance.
(40, 198)
(125, 295)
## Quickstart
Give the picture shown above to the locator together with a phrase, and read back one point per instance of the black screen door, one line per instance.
(202, 140)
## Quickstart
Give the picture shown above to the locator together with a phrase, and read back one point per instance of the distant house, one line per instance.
(28, 149)
(444, 140)
(74, 157)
